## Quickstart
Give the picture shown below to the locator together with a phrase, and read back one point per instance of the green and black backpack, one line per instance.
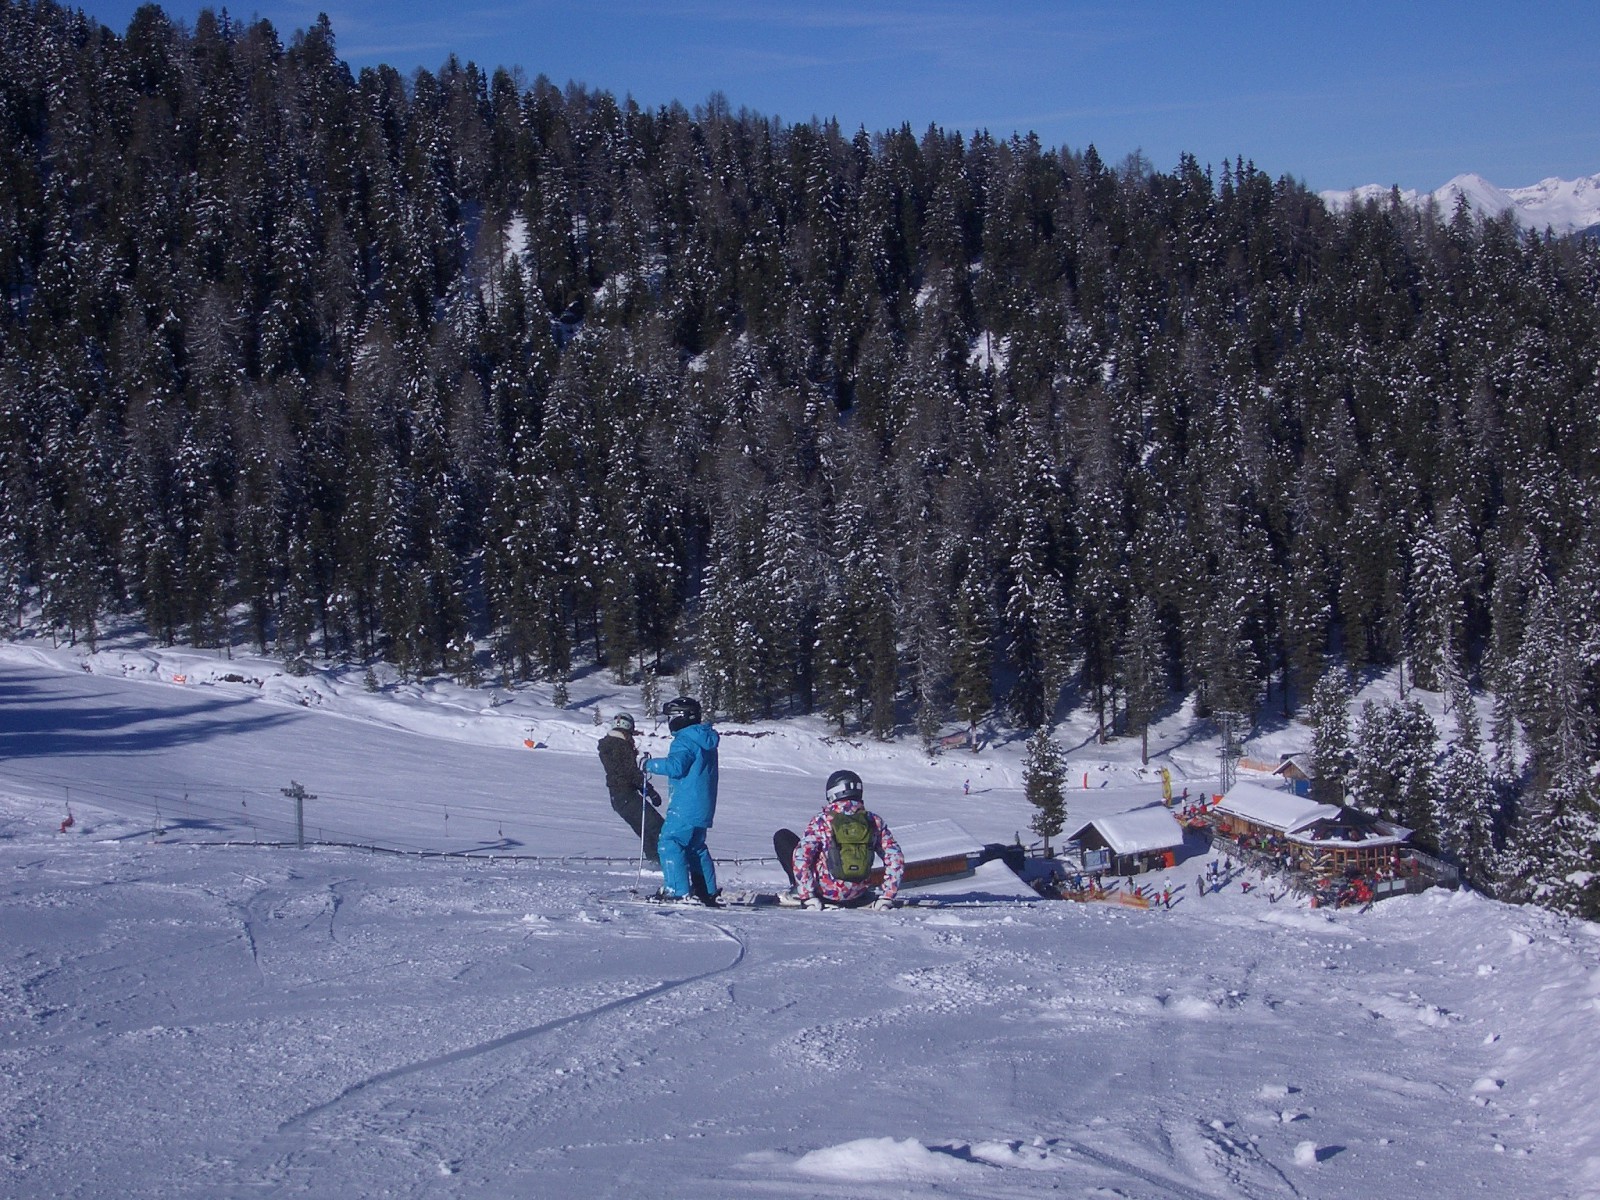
(850, 846)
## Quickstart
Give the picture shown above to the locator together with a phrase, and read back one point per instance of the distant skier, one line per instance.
(691, 770)
(633, 798)
(831, 862)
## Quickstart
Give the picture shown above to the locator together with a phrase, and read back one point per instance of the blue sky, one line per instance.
(1397, 92)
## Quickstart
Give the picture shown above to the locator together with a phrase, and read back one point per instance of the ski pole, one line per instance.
(644, 805)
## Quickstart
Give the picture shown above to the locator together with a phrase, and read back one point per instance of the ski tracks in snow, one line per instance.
(520, 1035)
(377, 1091)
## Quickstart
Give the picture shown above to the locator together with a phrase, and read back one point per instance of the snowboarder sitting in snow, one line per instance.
(634, 800)
(691, 770)
(831, 863)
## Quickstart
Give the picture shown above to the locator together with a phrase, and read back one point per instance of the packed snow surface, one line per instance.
(193, 1006)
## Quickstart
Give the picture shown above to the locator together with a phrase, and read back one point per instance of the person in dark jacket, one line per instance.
(690, 767)
(634, 799)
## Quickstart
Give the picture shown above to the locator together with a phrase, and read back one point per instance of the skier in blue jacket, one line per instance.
(691, 770)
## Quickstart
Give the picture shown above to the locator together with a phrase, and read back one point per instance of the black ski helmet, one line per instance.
(843, 785)
(682, 713)
(623, 721)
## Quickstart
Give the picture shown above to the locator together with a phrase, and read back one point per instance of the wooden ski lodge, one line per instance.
(1318, 839)
(1145, 839)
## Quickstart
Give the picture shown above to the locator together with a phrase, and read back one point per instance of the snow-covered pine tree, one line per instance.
(1331, 744)
(1025, 701)
(296, 612)
(728, 623)
(833, 656)
(1043, 783)
(1141, 668)
(72, 588)
(1034, 611)
(1367, 589)
(157, 588)
(1464, 798)
(1306, 616)
(972, 654)
(1101, 585)
(883, 682)
(1558, 677)
(1393, 772)
(1436, 617)
(13, 568)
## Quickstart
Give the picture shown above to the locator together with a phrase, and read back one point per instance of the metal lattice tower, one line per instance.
(1231, 725)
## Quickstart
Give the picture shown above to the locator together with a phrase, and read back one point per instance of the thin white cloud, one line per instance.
(958, 31)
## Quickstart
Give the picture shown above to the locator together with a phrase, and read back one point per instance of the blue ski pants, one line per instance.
(681, 842)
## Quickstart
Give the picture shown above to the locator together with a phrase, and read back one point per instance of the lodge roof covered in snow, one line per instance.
(1306, 821)
(1280, 810)
(1141, 831)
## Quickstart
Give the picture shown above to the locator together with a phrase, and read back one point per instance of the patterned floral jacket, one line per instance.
(811, 874)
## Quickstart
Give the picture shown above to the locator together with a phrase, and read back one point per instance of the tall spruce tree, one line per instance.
(1332, 745)
(1396, 746)
(1142, 671)
(1464, 798)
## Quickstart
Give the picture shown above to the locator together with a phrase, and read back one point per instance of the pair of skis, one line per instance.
(759, 899)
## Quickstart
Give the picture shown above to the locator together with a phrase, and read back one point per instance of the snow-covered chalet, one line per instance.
(1317, 838)
(1144, 839)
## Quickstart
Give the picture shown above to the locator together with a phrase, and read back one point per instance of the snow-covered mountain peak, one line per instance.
(1482, 195)
(1563, 205)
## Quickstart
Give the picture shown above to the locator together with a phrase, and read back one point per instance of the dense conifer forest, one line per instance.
(504, 379)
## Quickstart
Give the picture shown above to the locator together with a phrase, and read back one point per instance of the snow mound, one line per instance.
(888, 1160)
(1191, 1008)
(1035, 1157)
(882, 1159)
